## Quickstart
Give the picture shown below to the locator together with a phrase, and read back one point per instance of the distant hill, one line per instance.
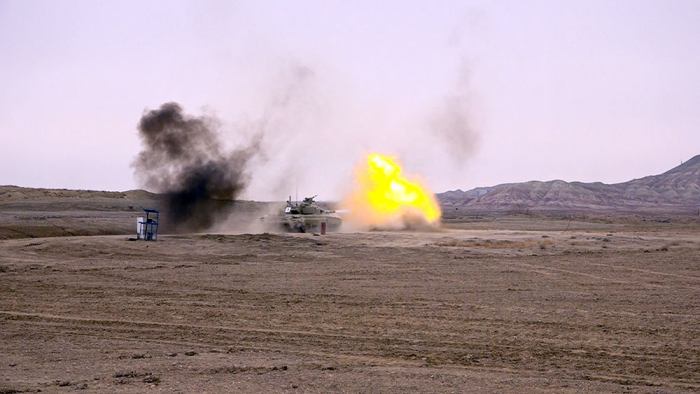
(35, 212)
(10, 194)
(675, 191)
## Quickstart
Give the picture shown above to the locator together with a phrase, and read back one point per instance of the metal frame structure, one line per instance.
(149, 227)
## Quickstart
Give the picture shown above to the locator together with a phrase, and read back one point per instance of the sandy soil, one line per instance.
(511, 305)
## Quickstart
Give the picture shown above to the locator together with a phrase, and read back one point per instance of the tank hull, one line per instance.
(303, 223)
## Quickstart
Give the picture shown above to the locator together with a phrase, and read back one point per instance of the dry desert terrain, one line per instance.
(502, 304)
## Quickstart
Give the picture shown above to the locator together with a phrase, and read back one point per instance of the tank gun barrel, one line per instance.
(304, 216)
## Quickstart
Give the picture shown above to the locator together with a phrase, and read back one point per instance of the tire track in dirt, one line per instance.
(624, 268)
(545, 270)
(389, 349)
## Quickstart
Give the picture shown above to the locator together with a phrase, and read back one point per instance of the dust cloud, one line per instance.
(453, 122)
(184, 160)
(306, 130)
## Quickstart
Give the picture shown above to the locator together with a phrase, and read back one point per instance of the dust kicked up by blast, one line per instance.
(183, 159)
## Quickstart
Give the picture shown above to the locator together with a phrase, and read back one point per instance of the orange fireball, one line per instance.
(384, 197)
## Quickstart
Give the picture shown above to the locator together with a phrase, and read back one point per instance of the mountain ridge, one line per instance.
(675, 189)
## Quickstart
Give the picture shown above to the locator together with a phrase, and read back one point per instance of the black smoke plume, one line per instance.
(183, 159)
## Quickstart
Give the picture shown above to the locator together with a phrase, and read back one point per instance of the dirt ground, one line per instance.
(488, 305)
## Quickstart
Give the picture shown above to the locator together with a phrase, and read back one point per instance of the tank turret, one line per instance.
(305, 216)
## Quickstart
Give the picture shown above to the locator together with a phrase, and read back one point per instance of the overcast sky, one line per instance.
(466, 94)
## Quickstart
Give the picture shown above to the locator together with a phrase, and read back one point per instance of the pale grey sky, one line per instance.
(575, 90)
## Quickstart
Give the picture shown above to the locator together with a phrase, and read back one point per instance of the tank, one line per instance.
(304, 217)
